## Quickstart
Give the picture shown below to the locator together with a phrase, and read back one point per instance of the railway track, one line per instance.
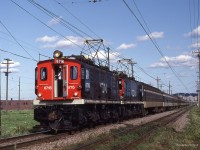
(142, 131)
(44, 137)
(152, 128)
(22, 141)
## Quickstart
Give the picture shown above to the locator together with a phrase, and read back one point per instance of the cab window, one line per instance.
(43, 74)
(73, 72)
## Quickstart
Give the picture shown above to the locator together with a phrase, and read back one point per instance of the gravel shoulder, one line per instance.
(180, 124)
(92, 133)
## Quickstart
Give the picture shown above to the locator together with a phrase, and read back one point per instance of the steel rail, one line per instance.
(156, 125)
(93, 144)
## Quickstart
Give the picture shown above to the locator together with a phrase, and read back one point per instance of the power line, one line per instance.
(28, 44)
(60, 20)
(77, 18)
(16, 40)
(156, 46)
(114, 53)
(45, 24)
(17, 55)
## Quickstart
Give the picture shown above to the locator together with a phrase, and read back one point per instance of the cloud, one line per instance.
(183, 60)
(195, 32)
(10, 70)
(126, 46)
(47, 39)
(195, 45)
(55, 42)
(102, 55)
(55, 21)
(12, 66)
(153, 35)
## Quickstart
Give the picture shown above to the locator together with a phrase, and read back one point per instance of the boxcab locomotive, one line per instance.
(72, 92)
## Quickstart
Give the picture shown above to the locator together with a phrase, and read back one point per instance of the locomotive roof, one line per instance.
(77, 58)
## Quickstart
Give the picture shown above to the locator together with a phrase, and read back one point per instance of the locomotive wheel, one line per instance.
(55, 120)
(54, 125)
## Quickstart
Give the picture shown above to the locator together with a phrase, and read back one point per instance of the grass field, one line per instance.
(167, 138)
(16, 122)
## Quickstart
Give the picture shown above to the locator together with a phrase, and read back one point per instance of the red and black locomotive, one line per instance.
(73, 92)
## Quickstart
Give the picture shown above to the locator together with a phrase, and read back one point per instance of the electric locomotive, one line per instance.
(72, 92)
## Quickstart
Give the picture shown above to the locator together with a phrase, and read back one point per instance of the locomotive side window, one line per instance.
(82, 73)
(87, 74)
(73, 72)
(43, 74)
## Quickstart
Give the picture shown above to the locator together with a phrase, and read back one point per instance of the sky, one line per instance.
(159, 35)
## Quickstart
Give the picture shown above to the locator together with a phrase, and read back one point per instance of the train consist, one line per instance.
(72, 92)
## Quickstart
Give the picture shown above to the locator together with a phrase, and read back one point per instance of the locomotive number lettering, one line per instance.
(71, 87)
(59, 61)
(47, 87)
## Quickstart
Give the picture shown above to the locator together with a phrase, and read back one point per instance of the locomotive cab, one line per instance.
(58, 79)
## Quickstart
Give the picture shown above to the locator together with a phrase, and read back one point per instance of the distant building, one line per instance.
(17, 104)
(188, 96)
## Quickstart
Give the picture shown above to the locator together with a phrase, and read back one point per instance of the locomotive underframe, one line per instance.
(72, 117)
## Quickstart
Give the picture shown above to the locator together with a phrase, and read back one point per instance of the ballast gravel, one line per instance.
(180, 124)
(92, 133)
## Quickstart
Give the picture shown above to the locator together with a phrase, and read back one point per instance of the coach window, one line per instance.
(43, 74)
(73, 72)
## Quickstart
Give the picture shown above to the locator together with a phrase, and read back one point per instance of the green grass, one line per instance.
(167, 138)
(16, 122)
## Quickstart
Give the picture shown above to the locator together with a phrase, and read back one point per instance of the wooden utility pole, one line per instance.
(19, 96)
(0, 100)
(8, 62)
(198, 82)
(170, 88)
(158, 82)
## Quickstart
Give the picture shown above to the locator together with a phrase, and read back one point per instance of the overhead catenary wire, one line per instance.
(17, 55)
(26, 43)
(49, 26)
(198, 5)
(53, 15)
(17, 41)
(114, 53)
(67, 10)
(100, 37)
(59, 19)
(44, 23)
(156, 46)
(65, 23)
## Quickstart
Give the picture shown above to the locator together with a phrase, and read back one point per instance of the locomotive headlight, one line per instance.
(39, 94)
(57, 54)
(75, 94)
